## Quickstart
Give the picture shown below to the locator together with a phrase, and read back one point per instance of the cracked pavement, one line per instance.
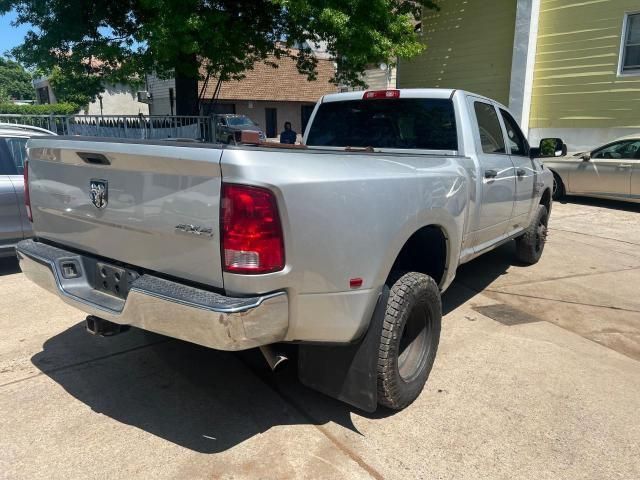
(537, 376)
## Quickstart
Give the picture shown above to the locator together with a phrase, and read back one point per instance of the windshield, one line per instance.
(418, 123)
(240, 122)
(13, 153)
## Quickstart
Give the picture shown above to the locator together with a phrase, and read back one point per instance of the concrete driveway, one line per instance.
(537, 376)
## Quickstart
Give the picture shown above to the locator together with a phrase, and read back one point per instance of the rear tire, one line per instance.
(409, 340)
(558, 187)
(529, 247)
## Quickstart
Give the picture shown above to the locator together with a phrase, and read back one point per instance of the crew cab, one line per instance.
(342, 247)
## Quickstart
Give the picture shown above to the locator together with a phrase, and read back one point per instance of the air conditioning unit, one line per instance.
(145, 97)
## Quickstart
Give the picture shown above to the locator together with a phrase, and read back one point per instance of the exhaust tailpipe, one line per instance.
(272, 357)
(103, 328)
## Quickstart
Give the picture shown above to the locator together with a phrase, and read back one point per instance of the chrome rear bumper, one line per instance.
(160, 305)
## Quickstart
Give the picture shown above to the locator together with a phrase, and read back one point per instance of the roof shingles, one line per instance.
(277, 84)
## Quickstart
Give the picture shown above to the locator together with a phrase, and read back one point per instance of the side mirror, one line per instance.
(549, 148)
(586, 156)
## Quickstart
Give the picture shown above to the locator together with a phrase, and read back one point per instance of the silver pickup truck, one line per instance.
(342, 246)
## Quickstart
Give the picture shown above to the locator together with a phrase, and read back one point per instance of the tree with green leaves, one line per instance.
(74, 88)
(122, 40)
(15, 81)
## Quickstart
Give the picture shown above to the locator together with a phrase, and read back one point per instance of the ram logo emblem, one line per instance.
(99, 193)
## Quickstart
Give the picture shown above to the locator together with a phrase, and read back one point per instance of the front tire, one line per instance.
(530, 245)
(410, 338)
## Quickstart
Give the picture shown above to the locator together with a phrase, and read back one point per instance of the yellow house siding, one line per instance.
(576, 84)
(469, 46)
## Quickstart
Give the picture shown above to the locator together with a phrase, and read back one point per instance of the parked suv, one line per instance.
(14, 222)
(228, 127)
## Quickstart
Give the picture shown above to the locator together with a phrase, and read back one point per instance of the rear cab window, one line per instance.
(398, 123)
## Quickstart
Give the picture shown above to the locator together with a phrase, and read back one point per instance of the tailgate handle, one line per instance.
(94, 158)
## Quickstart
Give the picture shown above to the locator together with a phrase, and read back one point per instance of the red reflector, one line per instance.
(378, 94)
(355, 282)
(27, 197)
(251, 233)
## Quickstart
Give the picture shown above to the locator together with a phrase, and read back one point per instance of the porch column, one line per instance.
(523, 60)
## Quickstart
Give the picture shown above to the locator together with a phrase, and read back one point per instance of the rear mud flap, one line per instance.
(347, 373)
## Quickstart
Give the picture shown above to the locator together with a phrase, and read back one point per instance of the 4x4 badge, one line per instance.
(99, 193)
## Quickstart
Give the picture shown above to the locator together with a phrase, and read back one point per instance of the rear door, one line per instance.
(153, 205)
(525, 170)
(496, 168)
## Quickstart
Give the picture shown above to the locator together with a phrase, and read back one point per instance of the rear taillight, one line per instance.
(251, 232)
(27, 197)
(379, 94)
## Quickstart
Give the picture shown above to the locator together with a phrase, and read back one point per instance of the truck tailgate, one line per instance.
(160, 211)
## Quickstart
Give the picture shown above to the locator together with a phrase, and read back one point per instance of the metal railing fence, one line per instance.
(122, 126)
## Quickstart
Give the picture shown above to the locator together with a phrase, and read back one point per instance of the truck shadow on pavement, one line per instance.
(602, 203)
(205, 400)
(9, 266)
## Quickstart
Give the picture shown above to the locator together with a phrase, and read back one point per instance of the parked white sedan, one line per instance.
(609, 171)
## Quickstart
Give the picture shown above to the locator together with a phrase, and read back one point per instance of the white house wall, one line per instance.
(117, 99)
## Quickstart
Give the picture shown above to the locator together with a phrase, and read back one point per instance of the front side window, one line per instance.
(631, 45)
(403, 123)
(629, 149)
(517, 142)
(13, 153)
(491, 137)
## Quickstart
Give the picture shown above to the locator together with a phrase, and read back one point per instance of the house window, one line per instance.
(630, 55)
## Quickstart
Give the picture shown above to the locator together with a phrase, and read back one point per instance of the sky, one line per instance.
(10, 36)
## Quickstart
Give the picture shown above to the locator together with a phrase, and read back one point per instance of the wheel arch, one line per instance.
(556, 174)
(427, 250)
(545, 199)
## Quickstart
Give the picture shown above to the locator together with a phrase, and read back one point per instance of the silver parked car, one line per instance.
(610, 171)
(14, 222)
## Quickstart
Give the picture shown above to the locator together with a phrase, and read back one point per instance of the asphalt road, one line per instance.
(537, 376)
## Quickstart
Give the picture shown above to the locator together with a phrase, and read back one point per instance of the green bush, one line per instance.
(46, 109)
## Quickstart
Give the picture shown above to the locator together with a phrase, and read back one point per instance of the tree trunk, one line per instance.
(187, 87)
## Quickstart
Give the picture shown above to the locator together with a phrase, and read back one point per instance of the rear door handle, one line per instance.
(490, 173)
(624, 165)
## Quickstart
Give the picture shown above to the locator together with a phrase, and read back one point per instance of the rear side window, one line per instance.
(412, 123)
(13, 153)
(489, 127)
